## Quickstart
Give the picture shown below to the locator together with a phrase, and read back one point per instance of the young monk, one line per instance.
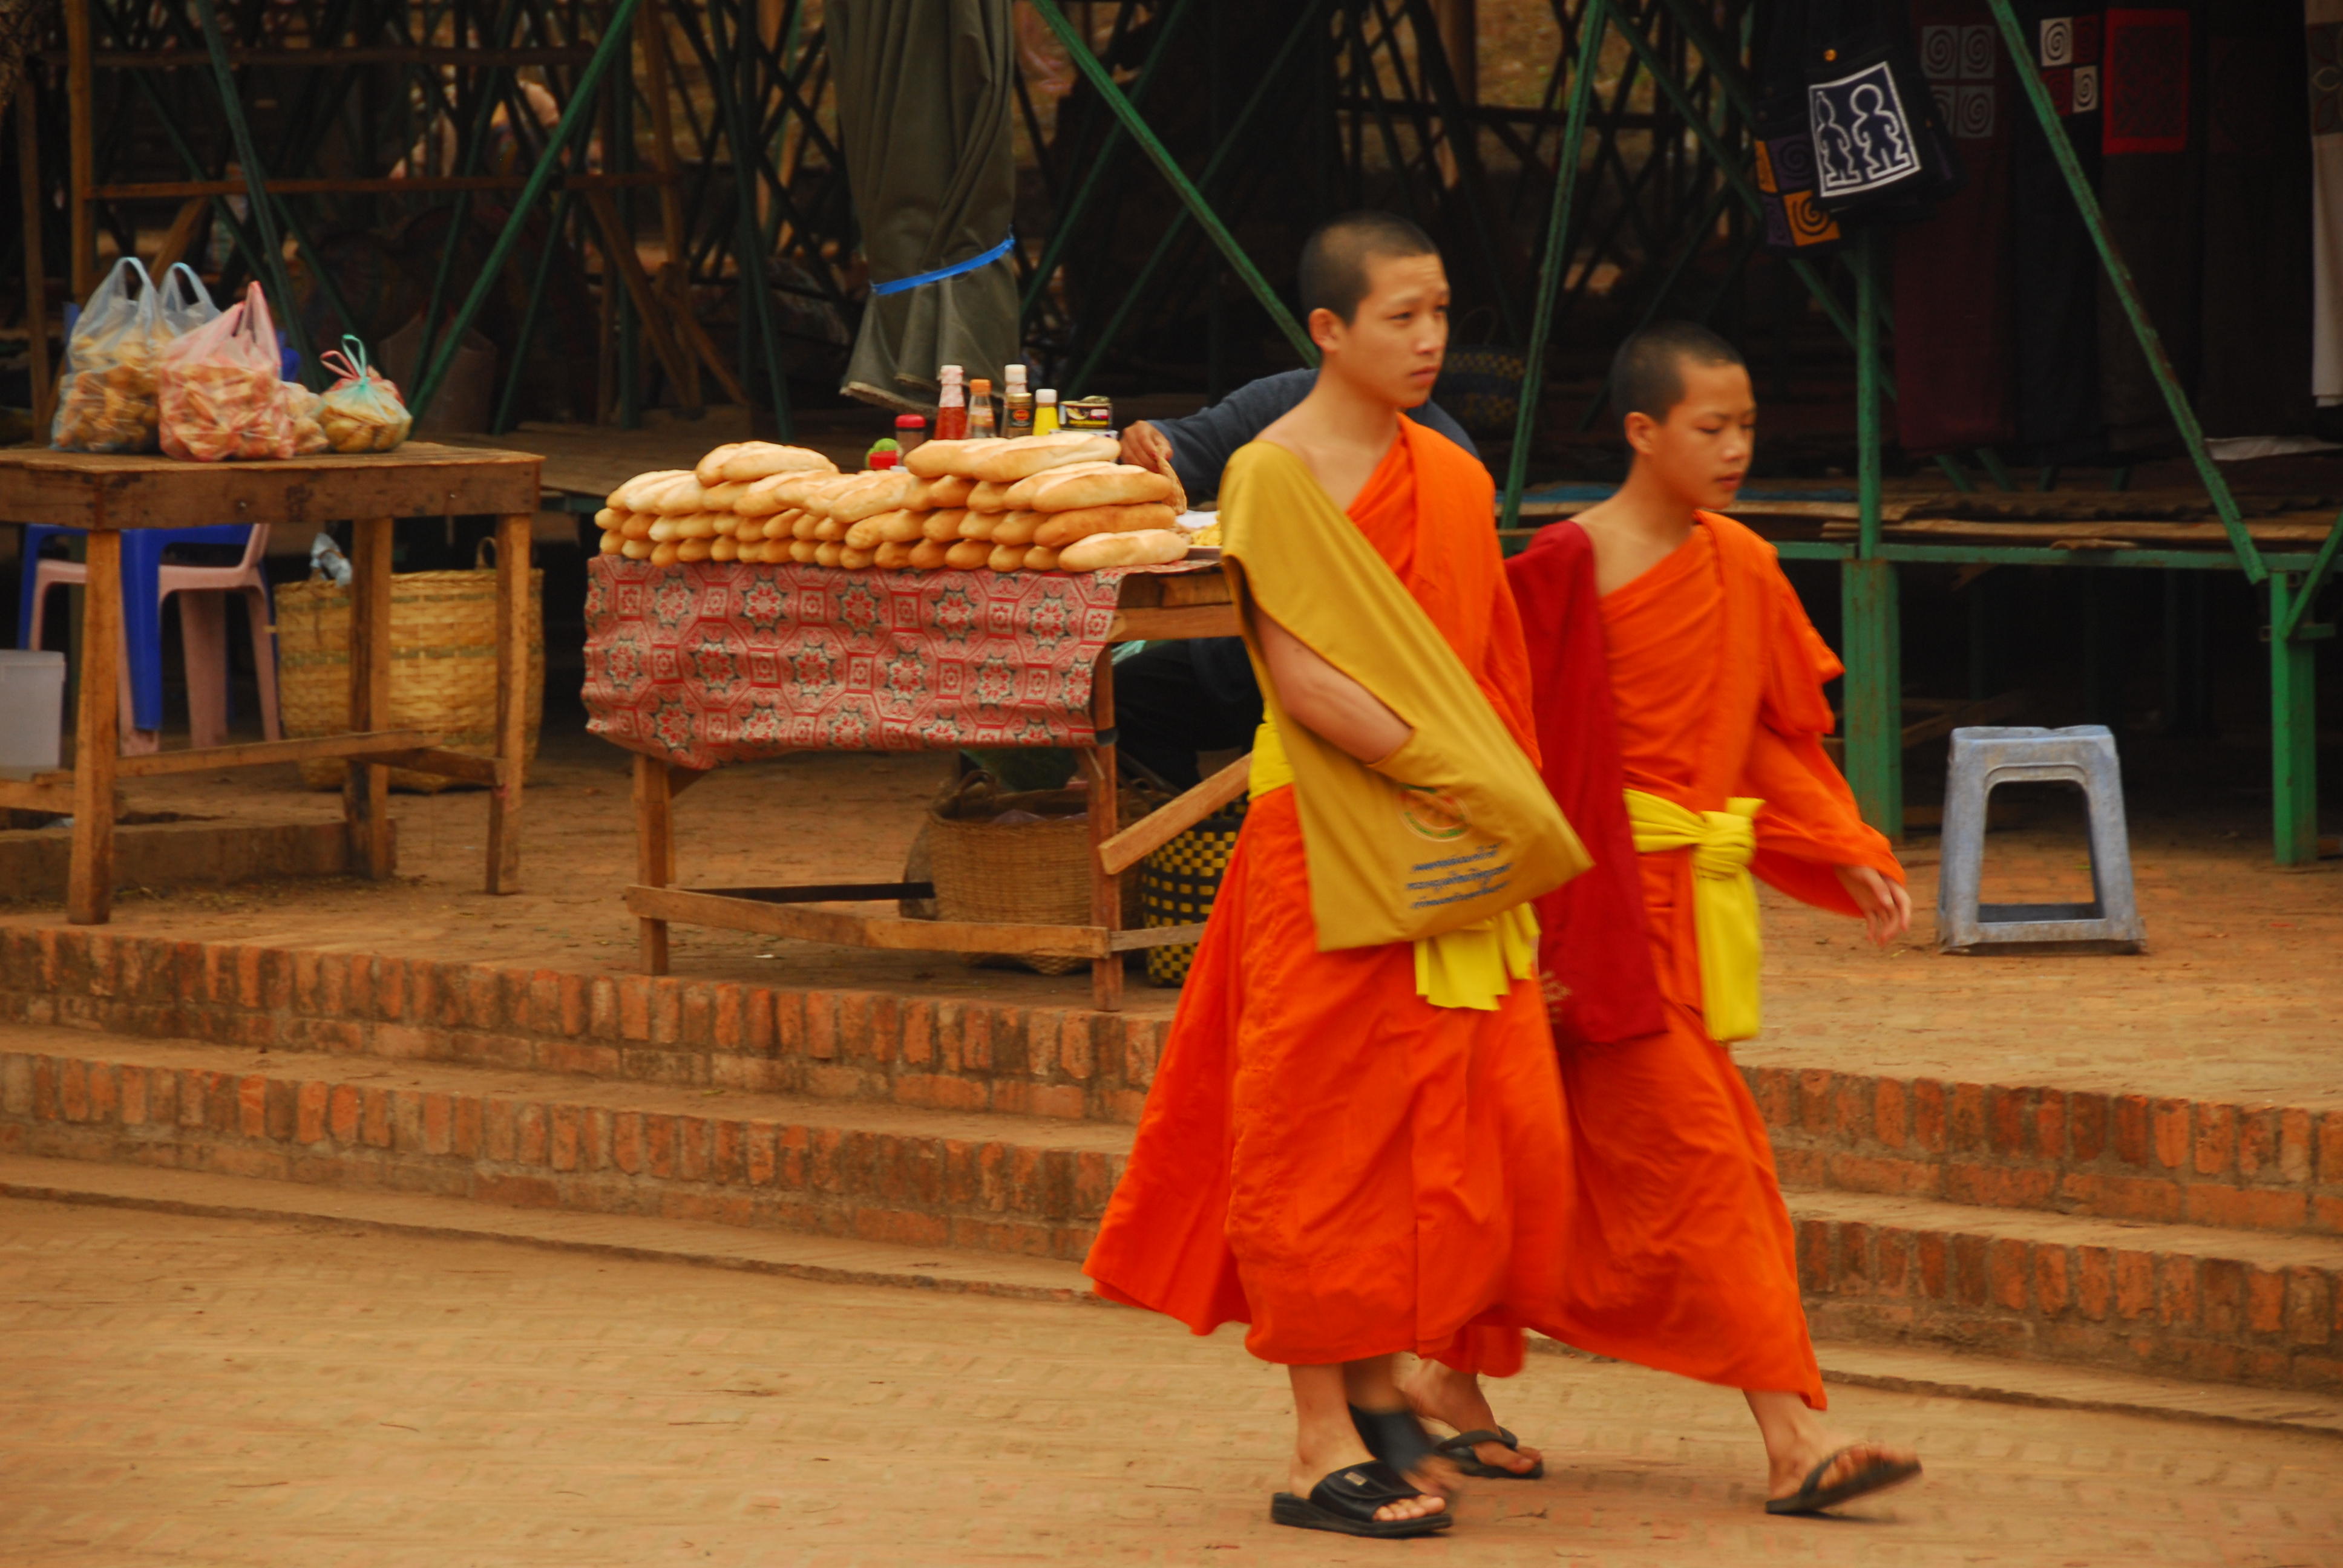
(1681, 1254)
(1354, 1141)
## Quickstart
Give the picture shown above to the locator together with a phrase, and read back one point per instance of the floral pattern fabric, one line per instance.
(718, 662)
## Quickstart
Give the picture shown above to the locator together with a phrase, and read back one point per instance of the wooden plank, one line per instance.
(512, 702)
(656, 314)
(365, 788)
(173, 59)
(41, 792)
(80, 163)
(383, 746)
(461, 765)
(827, 892)
(1166, 823)
(2145, 534)
(1174, 625)
(1174, 590)
(36, 280)
(841, 928)
(1106, 886)
(359, 184)
(89, 882)
(1154, 937)
(421, 479)
(654, 851)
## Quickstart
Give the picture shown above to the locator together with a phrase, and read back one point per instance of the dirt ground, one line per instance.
(228, 1393)
(2239, 995)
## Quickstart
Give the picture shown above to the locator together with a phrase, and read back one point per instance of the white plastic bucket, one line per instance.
(31, 711)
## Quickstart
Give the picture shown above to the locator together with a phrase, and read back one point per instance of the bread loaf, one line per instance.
(976, 525)
(711, 470)
(829, 530)
(804, 524)
(721, 497)
(679, 496)
(608, 517)
(1021, 493)
(722, 548)
(888, 527)
(691, 550)
(827, 552)
(1006, 558)
(1041, 559)
(804, 552)
(1018, 528)
(1019, 458)
(968, 555)
(947, 490)
(891, 556)
(752, 460)
(931, 555)
(637, 524)
(637, 549)
(729, 524)
(626, 497)
(988, 497)
(1062, 528)
(1146, 548)
(613, 542)
(1123, 485)
(663, 555)
(868, 495)
(942, 525)
(853, 560)
(931, 459)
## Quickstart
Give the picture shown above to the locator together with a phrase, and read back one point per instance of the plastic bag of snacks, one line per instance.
(220, 390)
(363, 412)
(304, 406)
(182, 303)
(105, 401)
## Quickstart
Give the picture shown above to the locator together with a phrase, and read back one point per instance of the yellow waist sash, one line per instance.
(1474, 967)
(1724, 900)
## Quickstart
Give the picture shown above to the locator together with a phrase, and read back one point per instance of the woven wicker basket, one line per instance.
(1178, 883)
(1022, 873)
(443, 666)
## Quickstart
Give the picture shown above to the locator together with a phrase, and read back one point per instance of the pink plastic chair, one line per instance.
(203, 640)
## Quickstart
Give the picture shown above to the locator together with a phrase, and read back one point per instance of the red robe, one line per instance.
(1325, 1155)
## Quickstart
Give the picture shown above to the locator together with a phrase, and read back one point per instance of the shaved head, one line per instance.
(1647, 373)
(1333, 272)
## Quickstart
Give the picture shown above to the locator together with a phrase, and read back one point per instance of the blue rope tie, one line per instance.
(985, 258)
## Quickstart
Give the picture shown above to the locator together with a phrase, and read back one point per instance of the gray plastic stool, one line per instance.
(2084, 755)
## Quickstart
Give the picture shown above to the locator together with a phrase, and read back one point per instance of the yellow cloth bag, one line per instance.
(1473, 967)
(1455, 827)
(1723, 900)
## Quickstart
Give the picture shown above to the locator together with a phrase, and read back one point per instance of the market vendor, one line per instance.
(1176, 699)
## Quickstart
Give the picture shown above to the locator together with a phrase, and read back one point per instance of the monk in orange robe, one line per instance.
(1681, 1254)
(1326, 1155)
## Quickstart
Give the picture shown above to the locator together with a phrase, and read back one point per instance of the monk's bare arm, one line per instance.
(1330, 704)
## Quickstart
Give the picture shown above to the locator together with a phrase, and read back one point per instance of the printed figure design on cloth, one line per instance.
(1959, 61)
(2147, 82)
(2068, 55)
(1863, 139)
(2326, 42)
(1786, 177)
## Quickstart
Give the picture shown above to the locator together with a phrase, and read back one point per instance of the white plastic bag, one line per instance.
(219, 391)
(106, 398)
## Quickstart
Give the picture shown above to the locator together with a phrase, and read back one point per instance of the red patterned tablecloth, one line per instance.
(720, 662)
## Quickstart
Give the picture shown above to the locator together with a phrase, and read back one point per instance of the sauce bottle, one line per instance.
(979, 408)
(1016, 404)
(910, 430)
(1045, 411)
(952, 405)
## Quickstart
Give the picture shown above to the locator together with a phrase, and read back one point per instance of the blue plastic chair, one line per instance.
(142, 608)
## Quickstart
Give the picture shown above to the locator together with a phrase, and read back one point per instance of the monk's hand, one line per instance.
(1147, 447)
(1886, 908)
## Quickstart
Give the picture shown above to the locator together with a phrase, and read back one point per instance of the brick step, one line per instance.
(1901, 1368)
(1029, 1186)
(2236, 1165)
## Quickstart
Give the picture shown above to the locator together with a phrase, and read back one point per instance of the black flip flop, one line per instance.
(1812, 1496)
(1345, 1502)
(1395, 1437)
(1458, 1452)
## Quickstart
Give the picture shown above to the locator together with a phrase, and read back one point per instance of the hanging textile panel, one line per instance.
(2254, 374)
(2323, 20)
(2151, 190)
(718, 662)
(1955, 334)
(2054, 265)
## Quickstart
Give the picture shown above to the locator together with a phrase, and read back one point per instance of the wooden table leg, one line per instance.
(512, 702)
(1106, 890)
(89, 884)
(366, 790)
(654, 850)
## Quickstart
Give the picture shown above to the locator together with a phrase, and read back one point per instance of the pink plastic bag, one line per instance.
(219, 390)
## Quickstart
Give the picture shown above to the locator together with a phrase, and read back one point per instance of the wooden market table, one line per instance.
(1150, 608)
(105, 495)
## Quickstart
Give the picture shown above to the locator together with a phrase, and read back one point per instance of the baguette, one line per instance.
(929, 556)
(693, 526)
(662, 530)
(1017, 528)
(637, 524)
(897, 528)
(947, 490)
(763, 498)
(1060, 530)
(933, 459)
(613, 542)
(722, 548)
(1033, 454)
(988, 497)
(711, 470)
(828, 531)
(1006, 558)
(892, 557)
(680, 495)
(1124, 484)
(637, 549)
(853, 560)
(628, 497)
(804, 552)
(968, 555)
(827, 552)
(1146, 548)
(1021, 493)
(721, 497)
(752, 460)
(663, 555)
(694, 549)
(976, 525)
(868, 495)
(943, 524)
(608, 517)
(805, 523)
(1041, 559)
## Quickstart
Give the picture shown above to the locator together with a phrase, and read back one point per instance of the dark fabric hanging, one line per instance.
(1954, 337)
(1880, 147)
(2151, 187)
(1795, 221)
(2054, 265)
(2254, 375)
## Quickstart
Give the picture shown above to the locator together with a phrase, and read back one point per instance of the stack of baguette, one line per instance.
(1043, 503)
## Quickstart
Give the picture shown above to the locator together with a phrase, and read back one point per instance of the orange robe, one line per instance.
(1681, 1255)
(1324, 1155)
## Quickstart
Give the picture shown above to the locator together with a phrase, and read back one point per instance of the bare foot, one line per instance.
(1453, 1399)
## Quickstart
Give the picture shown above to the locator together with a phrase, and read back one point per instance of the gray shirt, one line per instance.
(1203, 442)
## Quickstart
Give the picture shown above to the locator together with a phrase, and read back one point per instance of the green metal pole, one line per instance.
(1869, 601)
(574, 114)
(2311, 584)
(255, 184)
(2151, 345)
(2294, 729)
(1555, 261)
(1062, 232)
(1169, 167)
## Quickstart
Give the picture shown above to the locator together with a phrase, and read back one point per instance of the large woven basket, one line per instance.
(1018, 873)
(443, 666)
(1178, 883)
